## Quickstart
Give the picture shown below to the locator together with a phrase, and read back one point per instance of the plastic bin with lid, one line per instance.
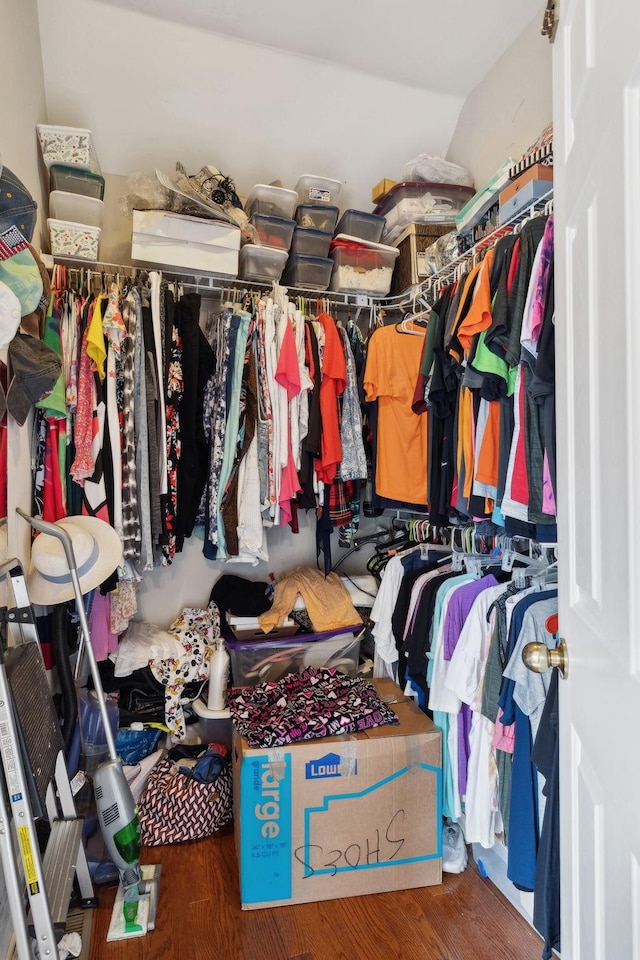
(262, 264)
(72, 146)
(74, 180)
(273, 231)
(310, 242)
(361, 267)
(313, 189)
(272, 201)
(319, 216)
(256, 661)
(76, 208)
(365, 226)
(75, 240)
(421, 203)
(313, 273)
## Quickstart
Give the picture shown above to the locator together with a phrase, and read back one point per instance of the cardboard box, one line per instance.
(381, 188)
(538, 171)
(173, 241)
(341, 816)
(531, 192)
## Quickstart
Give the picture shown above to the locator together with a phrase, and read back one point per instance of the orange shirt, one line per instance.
(478, 316)
(334, 380)
(393, 366)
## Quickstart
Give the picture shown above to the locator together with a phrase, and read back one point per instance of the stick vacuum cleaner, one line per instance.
(116, 809)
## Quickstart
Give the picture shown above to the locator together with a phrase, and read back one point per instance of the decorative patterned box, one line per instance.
(72, 146)
(77, 240)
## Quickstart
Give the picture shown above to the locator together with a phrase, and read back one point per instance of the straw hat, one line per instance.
(97, 550)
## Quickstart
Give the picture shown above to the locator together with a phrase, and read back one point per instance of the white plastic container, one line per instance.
(313, 189)
(75, 240)
(76, 208)
(218, 676)
(262, 264)
(173, 241)
(492, 863)
(272, 201)
(361, 267)
(69, 145)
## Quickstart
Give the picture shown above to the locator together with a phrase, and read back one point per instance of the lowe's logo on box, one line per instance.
(330, 765)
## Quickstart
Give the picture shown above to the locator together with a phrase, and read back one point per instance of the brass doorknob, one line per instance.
(539, 658)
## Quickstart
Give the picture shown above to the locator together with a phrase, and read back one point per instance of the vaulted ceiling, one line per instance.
(445, 46)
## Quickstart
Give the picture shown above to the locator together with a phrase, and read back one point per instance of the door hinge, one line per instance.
(550, 20)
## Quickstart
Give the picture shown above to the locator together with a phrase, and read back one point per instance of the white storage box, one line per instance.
(173, 241)
(361, 267)
(69, 145)
(76, 208)
(272, 201)
(313, 189)
(76, 240)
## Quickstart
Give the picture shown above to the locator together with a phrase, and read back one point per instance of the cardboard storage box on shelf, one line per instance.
(340, 816)
(381, 189)
(412, 243)
(531, 192)
(174, 241)
(538, 171)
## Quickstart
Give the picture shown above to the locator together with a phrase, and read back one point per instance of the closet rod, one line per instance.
(212, 284)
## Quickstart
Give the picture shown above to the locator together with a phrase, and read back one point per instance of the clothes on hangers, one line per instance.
(487, 390)
(459, 638)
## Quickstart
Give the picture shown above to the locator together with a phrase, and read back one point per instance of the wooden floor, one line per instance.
(199, 918)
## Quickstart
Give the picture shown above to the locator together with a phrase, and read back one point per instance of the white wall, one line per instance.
(155, 92)
(509, 109)
(22, 103)
(22, 106)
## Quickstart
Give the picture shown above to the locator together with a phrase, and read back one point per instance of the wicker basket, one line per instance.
(412, 242)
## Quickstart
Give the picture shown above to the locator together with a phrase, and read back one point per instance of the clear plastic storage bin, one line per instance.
(365, 226)
(272, 201)
(313, 189)
(310, 242)
(255, 661)
(76, 208)
(74, 180)
(319, 216)
(261, 263)
(421, 203)
(314, 273)
(273, 231)
(76, 240)
(362, 267)
(72, 146)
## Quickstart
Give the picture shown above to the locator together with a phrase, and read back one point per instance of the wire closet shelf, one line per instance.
(425, 292)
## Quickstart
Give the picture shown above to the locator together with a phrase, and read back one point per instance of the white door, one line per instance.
(597, 176)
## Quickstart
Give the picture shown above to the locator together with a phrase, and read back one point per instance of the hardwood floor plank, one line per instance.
(199, 917)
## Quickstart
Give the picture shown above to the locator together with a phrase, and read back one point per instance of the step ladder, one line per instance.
(35, 787)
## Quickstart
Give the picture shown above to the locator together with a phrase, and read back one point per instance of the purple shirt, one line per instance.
(460, 603)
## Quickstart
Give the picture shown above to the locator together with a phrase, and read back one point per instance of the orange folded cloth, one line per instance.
(326, 598)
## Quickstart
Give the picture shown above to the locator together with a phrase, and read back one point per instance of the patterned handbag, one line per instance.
(176, 807)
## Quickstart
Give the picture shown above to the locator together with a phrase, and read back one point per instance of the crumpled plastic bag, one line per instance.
(433, 169)
(142, 642)
(441, 253)
(208, 194)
